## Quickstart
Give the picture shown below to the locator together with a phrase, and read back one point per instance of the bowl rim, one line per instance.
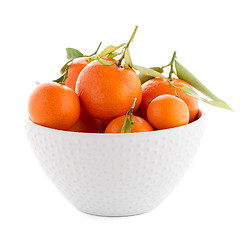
(201, 116)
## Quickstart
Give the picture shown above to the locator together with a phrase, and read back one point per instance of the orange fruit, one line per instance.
(139, 125)
(73, 71)
(54, 105)
(167, 111)
(159, 86)
(88, 124)
(106, 92)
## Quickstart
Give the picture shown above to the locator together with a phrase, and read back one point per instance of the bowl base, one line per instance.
(116, 215)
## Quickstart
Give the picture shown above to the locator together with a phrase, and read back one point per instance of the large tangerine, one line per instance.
(107, 92)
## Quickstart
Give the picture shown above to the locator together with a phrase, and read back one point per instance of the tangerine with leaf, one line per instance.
(106, 88)
(128, 123)
(71, 70)
(159, 86)
(74, 70)
(106, 92)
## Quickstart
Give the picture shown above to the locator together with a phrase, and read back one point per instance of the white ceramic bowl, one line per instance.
(115, 174)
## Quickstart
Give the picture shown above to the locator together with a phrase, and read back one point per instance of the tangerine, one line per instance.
(54, 105)
(159, 86)
(139, 125)
(167, 111)
(73, 71)
(88, 124)
(106, 91)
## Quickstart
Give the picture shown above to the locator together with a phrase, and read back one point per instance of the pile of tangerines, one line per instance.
(103, 93)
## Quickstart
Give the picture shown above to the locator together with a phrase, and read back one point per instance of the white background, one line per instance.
(205, 34)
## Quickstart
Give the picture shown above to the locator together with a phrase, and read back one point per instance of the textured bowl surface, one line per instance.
(115, 174)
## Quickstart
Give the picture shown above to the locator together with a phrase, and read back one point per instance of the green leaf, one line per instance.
(127, 59)
(216, 103)
(113, 54)
(190, 92)
(148, 71)
(61, 79)
(220, 104)
(188, 77)
(133, 35)
(143, 78)
(110, 49)
(73, 53)
(105, 62)
(126, 128)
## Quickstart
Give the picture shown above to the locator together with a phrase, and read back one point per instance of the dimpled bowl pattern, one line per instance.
(115, 174)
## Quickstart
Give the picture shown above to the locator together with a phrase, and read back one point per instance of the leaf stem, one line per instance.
(172, 65)
(128, 122)
(63, 69)
(173, 87)
(130, 112)
(171, 72)
(127, 46)
(166, 66)
(95, 51)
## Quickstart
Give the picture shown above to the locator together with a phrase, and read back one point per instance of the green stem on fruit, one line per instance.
(127, 46)
(173, 87)
(172, 72)
(126, 128)
(73, 54)
(66, 65)
(95, 51)
(172, 66)
(130, 112)
(166, 66)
